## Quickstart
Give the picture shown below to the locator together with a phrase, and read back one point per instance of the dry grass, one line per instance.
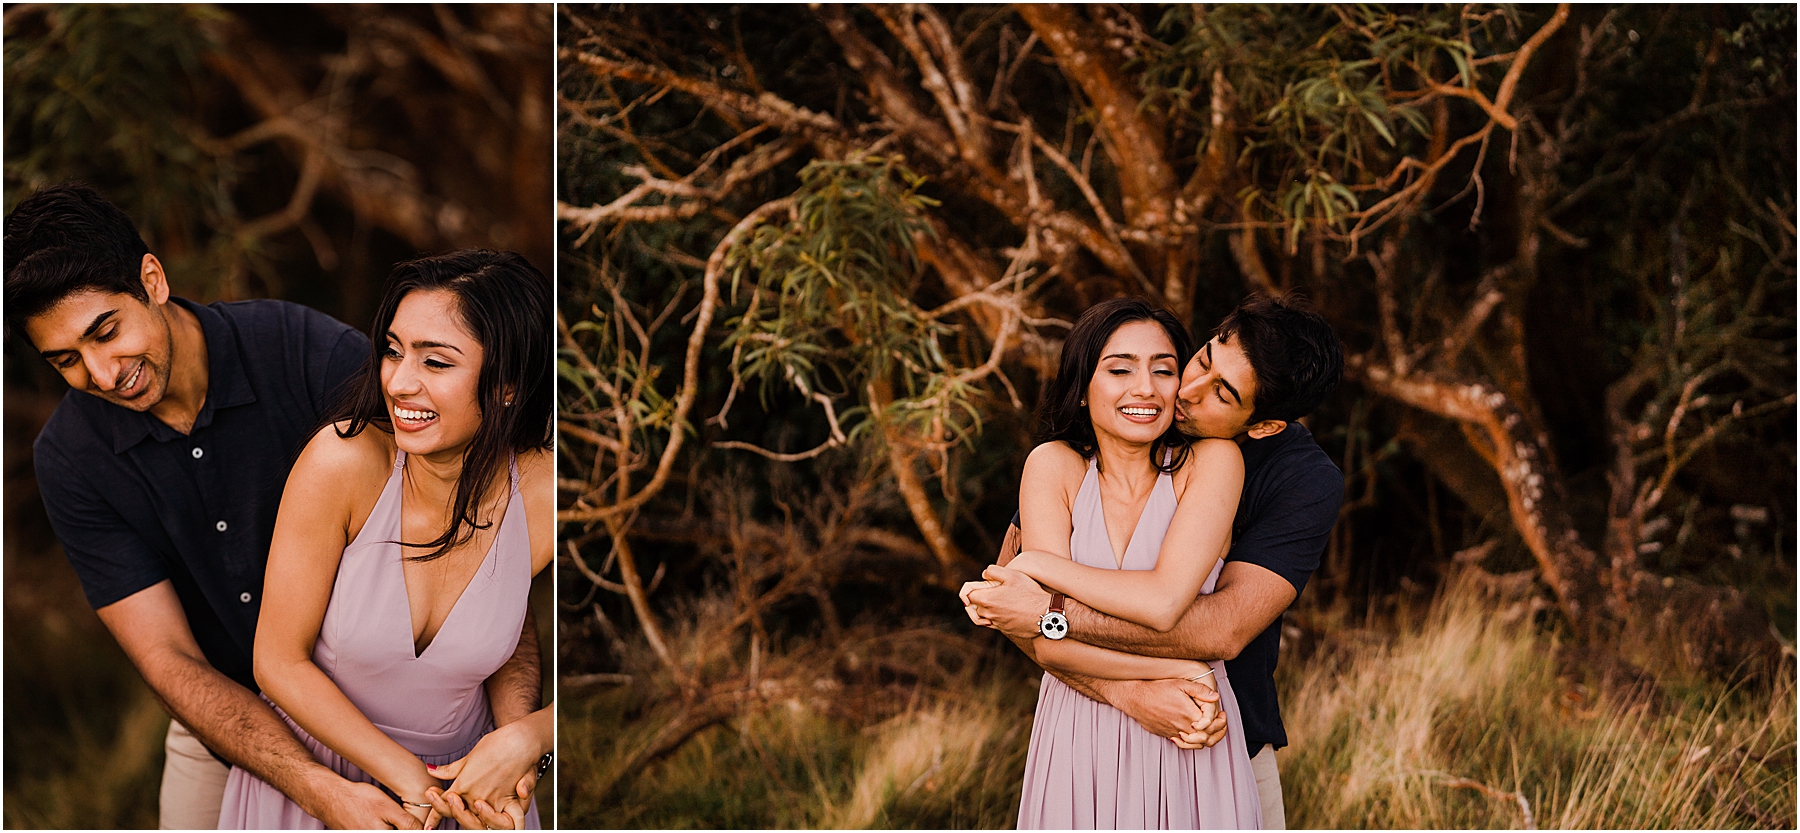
(1463, 722)
(1458, 720)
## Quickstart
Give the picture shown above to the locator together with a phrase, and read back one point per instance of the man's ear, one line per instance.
(1266, 428)
(156, 284)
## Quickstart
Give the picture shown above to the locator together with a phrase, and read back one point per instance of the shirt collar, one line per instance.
(227, 385)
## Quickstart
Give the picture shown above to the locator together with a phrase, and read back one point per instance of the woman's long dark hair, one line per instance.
(505, 303)
(1063, 417)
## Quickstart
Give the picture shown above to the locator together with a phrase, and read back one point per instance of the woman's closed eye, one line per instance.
(438, 364)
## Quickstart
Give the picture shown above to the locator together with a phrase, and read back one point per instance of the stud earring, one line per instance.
(1084, 403)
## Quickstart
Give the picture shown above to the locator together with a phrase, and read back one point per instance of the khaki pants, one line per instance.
(1268, 787)
(193, 784)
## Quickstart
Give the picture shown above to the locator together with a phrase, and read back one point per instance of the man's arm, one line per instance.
(153, 630)
(1245, 601)
(516, 689)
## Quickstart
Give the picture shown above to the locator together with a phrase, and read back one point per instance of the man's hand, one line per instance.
(1013, 604)
(1171, 709)
(353, 805)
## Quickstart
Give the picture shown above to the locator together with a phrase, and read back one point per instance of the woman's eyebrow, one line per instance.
(1133, 356)
(425, 345)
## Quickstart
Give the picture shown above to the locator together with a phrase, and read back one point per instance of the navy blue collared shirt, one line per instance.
(1292, 491)
(135, 502)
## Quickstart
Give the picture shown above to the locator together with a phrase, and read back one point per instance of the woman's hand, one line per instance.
(492, 785)
(414, 790)
(969, 605)
(1205, 694)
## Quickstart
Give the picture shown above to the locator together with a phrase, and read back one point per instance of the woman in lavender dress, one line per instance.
(1121, 512)
(401, 565)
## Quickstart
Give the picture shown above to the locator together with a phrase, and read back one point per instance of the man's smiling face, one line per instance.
(1218, 391)
(109, 344)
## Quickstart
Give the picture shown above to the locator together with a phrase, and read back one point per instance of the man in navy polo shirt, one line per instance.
(162, 470)
(1270, 362)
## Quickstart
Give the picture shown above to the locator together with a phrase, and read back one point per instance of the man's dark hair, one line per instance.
(68, 239)
(1296, 357)
(1062, 416)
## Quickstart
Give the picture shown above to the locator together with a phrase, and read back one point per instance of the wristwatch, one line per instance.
(543, 764)
(1054, 625)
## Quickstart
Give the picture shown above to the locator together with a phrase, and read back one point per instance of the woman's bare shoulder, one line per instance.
(1055, 458)
(331, 457)
(1211, 461)
(537, 486)
(536, 468)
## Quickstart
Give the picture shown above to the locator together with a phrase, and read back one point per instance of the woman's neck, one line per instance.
(1126, 463)
(430, 479)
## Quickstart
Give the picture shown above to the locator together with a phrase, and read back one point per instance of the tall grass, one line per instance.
(1459, 719)
(1465, 722)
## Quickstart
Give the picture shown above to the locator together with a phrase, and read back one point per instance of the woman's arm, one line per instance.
(1078, 657)
(1196, 540)
(311, 531)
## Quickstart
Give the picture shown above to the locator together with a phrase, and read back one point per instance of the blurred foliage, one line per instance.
(830, 300)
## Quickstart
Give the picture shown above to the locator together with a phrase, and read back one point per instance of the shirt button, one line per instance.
(220, 526)
(198, 453)
(244, 597)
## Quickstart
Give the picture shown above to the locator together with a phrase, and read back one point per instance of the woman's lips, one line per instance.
(413, 419)
(1145, 415)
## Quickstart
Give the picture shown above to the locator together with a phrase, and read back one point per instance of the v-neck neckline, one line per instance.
(1120, 556)
(400, 563)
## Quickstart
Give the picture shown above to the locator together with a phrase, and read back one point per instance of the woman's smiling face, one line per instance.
(430, 371)
(1132, 394)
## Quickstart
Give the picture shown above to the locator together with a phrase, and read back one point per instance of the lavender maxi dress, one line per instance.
(433, 703)
(1092, 767)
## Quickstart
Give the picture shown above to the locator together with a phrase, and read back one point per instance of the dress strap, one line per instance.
(512, 465)
(399, 458)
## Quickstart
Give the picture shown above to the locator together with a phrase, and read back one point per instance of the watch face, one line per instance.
(1053, 625)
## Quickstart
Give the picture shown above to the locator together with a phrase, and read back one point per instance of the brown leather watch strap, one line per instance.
(1056, 602)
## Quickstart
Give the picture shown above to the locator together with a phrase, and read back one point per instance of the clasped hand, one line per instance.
(1007, 600)
(490, 787)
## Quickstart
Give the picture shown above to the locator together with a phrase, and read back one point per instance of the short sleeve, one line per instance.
(110, 558)
(335, 353)
(1290, 531)
(348, 357)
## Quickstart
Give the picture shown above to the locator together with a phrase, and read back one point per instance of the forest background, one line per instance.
(815, 265)
(263, 151)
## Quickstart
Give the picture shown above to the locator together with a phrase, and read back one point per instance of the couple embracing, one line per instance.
(1172, 513)
(316, 547)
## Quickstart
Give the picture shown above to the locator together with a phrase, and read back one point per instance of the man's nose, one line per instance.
(102, 371)
(1190, 386)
